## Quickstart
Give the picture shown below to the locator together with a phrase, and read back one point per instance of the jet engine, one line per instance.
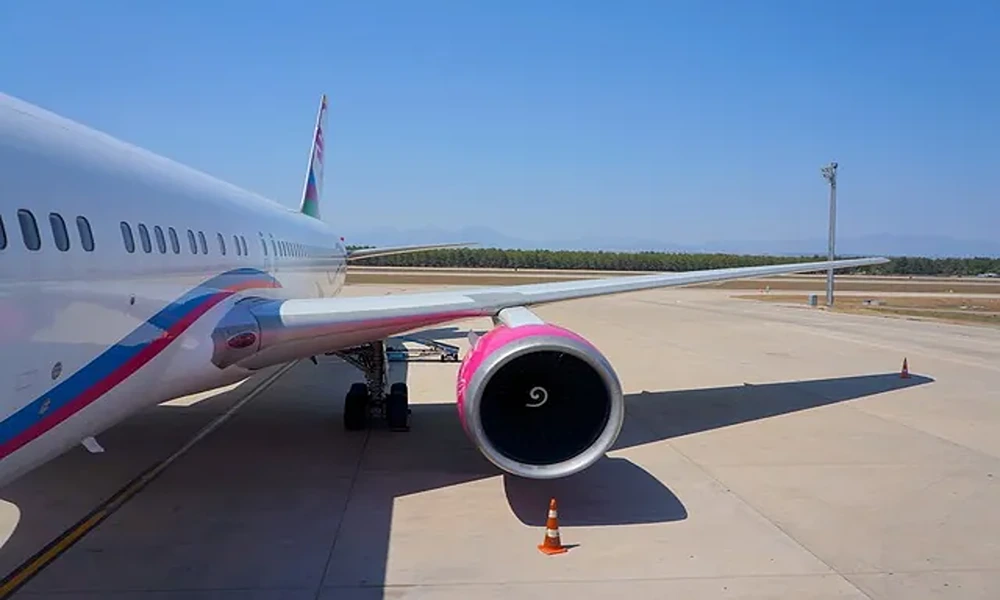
(539, 401)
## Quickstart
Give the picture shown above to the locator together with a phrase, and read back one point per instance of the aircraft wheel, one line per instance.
(397, 409)
(356, 408)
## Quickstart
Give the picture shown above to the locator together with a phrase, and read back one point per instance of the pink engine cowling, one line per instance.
(539, 401)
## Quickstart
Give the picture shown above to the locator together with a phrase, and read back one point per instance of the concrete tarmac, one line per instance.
(768, 452)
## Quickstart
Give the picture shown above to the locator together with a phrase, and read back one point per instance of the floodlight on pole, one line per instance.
(830, 174)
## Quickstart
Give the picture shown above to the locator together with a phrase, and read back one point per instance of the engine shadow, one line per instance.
(614, 491)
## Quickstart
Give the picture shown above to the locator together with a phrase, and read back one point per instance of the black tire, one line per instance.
(397, 408)
(356, 408)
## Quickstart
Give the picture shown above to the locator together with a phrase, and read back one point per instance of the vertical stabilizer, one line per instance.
(314, 176)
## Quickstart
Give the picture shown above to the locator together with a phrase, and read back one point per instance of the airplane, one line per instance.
(128, 279)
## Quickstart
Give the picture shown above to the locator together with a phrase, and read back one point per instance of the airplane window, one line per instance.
(222, 243)
(236, 241)
(29, 229)
(194, 244)
(86, 235)
(274, 248)
(204, 244)
(161, 243)
(3, 235)
(59, 232)
(127, 238)
(243, 242)
(175, 243)
(147, 245)
(263, 243)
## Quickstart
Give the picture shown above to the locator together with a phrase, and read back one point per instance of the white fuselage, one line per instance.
(88, 336)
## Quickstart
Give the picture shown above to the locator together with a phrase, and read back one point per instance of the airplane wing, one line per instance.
(387, 250)
(291, 329)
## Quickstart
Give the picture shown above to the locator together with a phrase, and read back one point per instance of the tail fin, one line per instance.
(314, 176)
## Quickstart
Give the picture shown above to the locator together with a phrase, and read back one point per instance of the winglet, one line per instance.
(314, 175)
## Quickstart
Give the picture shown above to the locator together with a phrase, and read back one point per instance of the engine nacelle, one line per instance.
(539, 401)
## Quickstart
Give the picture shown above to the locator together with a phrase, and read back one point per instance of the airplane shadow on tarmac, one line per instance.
(615, 491)
(612, 492)
(234, 466)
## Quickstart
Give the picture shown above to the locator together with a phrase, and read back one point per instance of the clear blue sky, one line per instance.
(684, 121)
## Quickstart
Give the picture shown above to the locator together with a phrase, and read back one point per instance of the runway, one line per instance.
(768, 451)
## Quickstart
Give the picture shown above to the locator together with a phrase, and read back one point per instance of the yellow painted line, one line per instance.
(44, 557)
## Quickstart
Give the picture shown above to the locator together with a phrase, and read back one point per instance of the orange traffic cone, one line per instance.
(552, 544)
(905, 373)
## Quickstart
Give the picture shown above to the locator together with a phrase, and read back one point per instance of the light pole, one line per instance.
(830, 174)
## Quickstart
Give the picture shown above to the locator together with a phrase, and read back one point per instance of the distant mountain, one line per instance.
(486, 237)
(877, 244)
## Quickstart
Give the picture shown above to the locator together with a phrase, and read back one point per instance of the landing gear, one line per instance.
(367, 401)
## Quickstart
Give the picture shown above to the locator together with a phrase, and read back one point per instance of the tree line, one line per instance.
(496, 258)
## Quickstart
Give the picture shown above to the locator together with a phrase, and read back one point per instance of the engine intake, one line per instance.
(539, 401)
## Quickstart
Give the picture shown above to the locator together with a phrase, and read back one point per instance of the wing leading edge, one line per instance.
(293, 329)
